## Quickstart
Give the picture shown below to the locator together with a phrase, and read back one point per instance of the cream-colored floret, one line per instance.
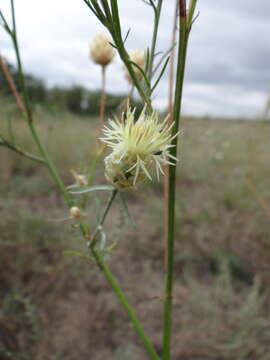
(137, 148)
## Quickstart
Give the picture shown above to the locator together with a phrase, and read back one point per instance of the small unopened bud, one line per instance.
(80, 179)
(101, 51)
(136, 56)
(75, 212)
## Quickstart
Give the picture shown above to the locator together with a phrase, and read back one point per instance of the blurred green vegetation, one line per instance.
(75, 99)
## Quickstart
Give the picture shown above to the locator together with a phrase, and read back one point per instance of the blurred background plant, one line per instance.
(102, 53)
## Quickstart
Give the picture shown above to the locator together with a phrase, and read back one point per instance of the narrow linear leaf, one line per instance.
(142, 72)
(163, 57)
(73, 186)
(160, 75)
(84, 190)
(147, 60)
(114, 46)
(127, 34)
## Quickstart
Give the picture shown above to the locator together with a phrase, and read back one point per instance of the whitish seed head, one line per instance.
(136, 56)
(101, 51)
(137, 148)
(75, 212)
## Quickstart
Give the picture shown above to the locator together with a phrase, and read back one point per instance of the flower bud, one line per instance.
(75, 212)
(136, 56)
(80, 179)
(101, 52)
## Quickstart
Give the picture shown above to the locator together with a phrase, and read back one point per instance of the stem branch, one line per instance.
(15, 148)
(102, 98)
(125, 304)
(114, 283)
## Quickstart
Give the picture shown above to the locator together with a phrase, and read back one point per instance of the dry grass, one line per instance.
(57, 306)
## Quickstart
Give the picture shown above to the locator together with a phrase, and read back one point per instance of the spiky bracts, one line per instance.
(137, 148)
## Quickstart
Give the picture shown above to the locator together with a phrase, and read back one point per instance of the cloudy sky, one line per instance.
(228, 68)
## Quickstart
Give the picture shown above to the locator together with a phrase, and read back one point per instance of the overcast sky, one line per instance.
(228, 67)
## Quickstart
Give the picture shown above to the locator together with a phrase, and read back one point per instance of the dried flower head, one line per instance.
(138, 146)
(75, 212)
(101, 51)
(136, 56)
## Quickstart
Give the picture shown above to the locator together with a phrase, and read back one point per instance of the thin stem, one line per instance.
(190, 14)
(114, 283)
(11, 84)
(125, 304)
(182, 50)
(20, 69)
(170, 112)
(103, 218)
(157, 11)
(4, 24)
(15, 148)
(102, 98)
(171, 69)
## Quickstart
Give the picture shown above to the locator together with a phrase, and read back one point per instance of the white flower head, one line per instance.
(137, 148)
(101, 51)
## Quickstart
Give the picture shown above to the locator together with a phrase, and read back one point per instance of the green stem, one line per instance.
(157, 11)
(125, 304)
(114, 283)
(19, 151)
(168, 300)
(190, 14)
(103, 218)
(102, 98)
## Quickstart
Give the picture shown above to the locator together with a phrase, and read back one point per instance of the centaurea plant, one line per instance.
(137, 146)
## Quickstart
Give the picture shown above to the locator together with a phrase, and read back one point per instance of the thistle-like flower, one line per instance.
(101, 51)
(136, 56)
(138, 147)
